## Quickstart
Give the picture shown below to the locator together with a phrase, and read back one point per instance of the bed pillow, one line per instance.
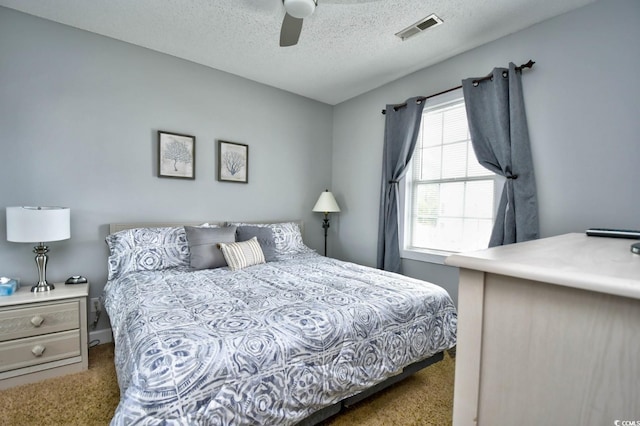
(287, 239)
(203, 245)
(265, 239)
(242, 254)
(146, 249)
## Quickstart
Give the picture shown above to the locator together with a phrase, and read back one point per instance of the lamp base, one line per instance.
(45, 286)
(41, 261)
(325, 226)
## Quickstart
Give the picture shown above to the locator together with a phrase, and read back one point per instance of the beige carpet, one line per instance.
(90, 398)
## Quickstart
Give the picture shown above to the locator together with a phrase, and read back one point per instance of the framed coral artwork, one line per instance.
(233, 162)
(176, 155)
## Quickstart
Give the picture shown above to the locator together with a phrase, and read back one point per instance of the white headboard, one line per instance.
(115, 227)
(299, 222)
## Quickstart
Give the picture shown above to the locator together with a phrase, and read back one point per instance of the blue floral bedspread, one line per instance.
(266, 345)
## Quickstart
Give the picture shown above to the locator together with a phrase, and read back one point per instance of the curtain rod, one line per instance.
(475, 82)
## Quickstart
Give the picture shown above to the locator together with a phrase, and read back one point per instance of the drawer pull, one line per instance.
(38, 350)
(37, 321)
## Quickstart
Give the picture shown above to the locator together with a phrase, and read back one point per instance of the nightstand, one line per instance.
(43, 335)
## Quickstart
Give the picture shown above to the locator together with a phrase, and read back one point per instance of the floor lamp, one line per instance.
(326, 204)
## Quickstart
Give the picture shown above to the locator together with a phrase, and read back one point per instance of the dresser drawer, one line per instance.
(38, 350)
(34, 320)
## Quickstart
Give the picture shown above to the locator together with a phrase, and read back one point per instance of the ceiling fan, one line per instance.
(296, 11)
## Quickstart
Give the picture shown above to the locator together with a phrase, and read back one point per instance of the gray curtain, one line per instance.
(500, 138)
(402, 126)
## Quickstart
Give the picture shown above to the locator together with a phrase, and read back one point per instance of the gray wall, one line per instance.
(79, 115)
(583, 108)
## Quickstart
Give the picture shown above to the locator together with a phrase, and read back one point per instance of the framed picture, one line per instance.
(176, 155)
(233, 162)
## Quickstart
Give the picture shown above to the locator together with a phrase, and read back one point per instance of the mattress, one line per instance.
(268, 344)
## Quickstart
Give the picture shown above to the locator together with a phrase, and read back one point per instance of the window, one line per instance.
(449, 198)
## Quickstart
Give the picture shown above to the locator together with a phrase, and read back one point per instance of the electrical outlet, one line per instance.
(95, 305)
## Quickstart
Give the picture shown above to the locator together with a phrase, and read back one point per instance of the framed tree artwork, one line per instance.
(176, 155)
(233, 162)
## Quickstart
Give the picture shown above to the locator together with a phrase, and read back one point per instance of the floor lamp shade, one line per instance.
(39, 225)
(326, 203)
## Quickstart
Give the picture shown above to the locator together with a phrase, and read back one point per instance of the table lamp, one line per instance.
(38, 225)
(326, 204)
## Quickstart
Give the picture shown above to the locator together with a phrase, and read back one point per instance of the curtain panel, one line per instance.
(500, 139)
(402, 126)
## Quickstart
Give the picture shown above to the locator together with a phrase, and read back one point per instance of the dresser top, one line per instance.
(62, 291)
(604, 265)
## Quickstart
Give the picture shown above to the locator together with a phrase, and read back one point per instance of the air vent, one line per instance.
(423, 24)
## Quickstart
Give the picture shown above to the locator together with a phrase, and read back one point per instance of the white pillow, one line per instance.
(243, 254)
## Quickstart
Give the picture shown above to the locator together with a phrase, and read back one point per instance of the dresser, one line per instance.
(548, 333)
(43, 335)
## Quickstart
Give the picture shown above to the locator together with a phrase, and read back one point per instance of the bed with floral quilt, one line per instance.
(245, 325)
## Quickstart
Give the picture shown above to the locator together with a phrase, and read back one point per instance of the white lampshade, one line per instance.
(299, 8)
(38, 224)
(326, 203)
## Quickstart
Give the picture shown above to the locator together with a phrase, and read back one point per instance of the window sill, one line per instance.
(430, 256)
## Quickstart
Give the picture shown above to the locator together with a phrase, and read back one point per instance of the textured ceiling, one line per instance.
(347, 47)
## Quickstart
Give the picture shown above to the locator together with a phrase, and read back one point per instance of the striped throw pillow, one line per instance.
(243, 254)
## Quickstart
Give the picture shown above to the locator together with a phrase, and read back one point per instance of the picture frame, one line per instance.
(233, 162)
(176, 155)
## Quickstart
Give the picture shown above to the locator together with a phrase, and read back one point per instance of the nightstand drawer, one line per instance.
(38, 350)
(34, 320)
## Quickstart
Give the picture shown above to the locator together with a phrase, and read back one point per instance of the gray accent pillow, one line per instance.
(203, 245)
(286, 236)
(265, 237)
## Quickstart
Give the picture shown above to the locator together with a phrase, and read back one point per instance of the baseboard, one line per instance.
(102, 336)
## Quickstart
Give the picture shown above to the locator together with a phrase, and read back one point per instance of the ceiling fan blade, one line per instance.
(290, 32)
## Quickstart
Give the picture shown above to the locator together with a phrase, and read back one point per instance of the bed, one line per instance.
(288, 340)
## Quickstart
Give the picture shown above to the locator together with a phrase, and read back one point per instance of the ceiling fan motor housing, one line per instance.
(299, 8)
